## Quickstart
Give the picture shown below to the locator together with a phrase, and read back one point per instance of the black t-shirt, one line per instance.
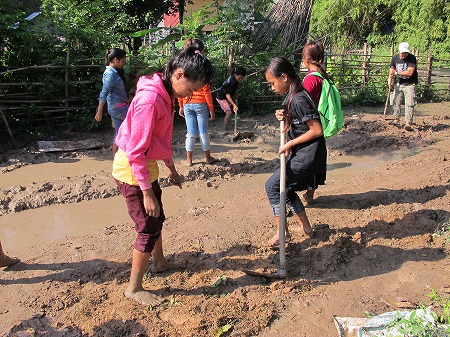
(310, 157)
(228, 87)
(401, 65)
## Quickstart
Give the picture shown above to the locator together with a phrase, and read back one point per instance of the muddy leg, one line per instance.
(135, 290)
(210, 159)
(309, 197)
(5, 260)
(189, 158)
(160, 264)
(226, 119)
(304, 222)
(275, 240)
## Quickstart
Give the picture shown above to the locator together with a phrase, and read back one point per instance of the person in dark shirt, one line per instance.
(305, 149)
(226, 93)
(404, 65)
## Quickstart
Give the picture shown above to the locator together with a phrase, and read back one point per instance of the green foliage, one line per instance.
(234, 23)
(369, 95)
(104, 23)
(442, 304)
(413, 325)
(424, 24)
(424, 322)
(222, 329)
(220, 280)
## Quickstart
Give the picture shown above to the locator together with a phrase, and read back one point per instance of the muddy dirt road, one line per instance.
(377, 221)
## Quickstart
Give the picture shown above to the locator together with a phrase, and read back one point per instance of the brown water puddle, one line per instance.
(40, 226)
(54, 169)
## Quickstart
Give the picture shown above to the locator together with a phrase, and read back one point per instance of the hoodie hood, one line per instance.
(153, 84)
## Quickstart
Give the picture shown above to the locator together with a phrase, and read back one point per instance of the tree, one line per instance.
(106, 22)
(426, 27)
(22, 43)
(425, 24)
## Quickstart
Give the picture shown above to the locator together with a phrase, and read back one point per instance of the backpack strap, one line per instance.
(315, 73)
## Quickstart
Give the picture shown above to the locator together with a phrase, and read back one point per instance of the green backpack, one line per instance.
(330, 110)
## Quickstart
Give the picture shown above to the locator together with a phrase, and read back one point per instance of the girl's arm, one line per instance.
(99, 111)
(209, 102)
(315, 131)
(108, 84)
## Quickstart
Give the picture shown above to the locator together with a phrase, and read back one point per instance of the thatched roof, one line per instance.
(287, 22)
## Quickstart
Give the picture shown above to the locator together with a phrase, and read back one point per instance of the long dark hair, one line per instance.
(314, 53)
(277, 67)
(196, 68)
(118, 53)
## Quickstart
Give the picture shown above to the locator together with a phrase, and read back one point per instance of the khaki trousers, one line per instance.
(409, 92)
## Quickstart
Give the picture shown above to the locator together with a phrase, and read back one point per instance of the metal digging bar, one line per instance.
(281, 273)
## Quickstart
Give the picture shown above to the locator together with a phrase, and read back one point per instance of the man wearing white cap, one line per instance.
(404, 65)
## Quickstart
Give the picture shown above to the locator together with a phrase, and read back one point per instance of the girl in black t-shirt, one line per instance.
(305, 147)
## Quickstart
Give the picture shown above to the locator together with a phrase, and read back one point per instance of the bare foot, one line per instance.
(274, 241)
(161, 267)
(309, 232)
(186, 162)
(212, 160)
(144, 297)
(309, 200)
(7, 261)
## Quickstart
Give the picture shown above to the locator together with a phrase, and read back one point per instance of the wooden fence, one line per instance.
(41, 99)
(38, 100)
(362, 73)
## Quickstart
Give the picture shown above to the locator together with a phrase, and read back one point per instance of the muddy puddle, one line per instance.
(40, 226)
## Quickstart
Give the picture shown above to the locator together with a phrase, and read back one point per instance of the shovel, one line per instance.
(240, 135)
(281, 273)
(386, 104)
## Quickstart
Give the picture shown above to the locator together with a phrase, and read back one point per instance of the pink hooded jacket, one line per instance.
(146, 132)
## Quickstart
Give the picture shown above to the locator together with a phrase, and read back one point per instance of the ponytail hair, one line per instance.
(118, 53)
(196, 43)
(314, 53)
(196, 68)
(277, 67)
(113, 53)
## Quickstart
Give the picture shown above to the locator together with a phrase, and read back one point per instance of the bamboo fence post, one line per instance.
(448, 90)
(8, 128)
(364, 71)
(230, 61)
(342, 68)
(66, 82)
(429, 70)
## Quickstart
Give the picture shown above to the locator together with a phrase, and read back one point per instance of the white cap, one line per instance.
(403, 47)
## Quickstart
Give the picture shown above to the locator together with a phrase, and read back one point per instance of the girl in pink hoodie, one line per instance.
(144, 137)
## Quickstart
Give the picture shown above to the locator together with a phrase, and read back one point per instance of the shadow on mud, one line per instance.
(381, 197)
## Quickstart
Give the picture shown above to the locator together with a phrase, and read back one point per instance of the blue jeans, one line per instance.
(197, 120)
(118, 115)
(292, 199)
